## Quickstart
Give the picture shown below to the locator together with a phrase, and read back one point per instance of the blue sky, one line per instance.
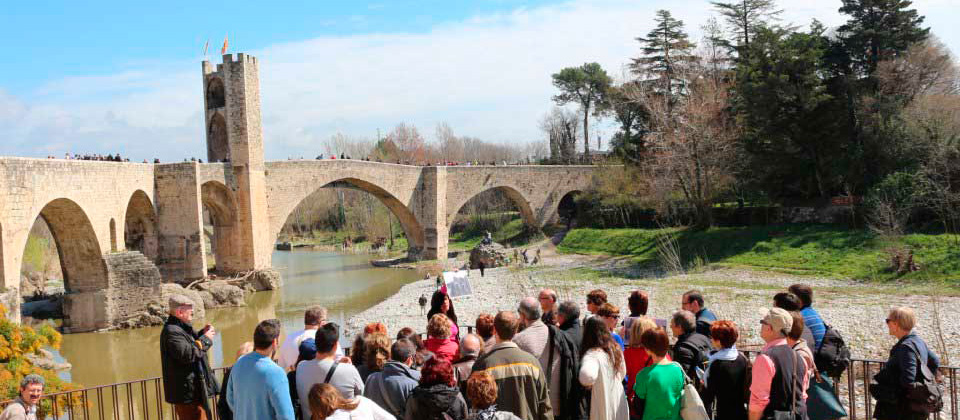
(104, 77)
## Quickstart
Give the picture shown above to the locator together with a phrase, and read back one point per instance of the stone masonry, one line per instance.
(97, 210)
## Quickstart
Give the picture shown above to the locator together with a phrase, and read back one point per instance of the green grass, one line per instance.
(511, 233)
(826, 250)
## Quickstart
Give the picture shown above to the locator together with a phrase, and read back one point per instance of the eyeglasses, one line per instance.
(762, 322)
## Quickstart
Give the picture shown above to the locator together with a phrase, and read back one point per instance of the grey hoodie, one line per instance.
(397, 381)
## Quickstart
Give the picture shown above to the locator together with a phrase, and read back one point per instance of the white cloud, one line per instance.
(487, 76)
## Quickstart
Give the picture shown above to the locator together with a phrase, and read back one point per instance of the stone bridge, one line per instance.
(101, 212)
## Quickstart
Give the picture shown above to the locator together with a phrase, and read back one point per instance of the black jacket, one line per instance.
(565, 340)
(897, 374)
(187, 377)
(728, 386)
(430, 403)
(691, 351)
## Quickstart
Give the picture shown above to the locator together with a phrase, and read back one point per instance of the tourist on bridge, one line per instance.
(440, 303)
(482, 393)
(24, 407)
(522, 383)
(905, 368)
(602, 370)
(548, 305)
(693, 301)
(188, 381)
(391, 387)
(258, 387)
(779, 373)
(437, 396)
(727, 374)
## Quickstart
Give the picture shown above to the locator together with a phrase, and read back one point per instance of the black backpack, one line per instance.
(833, 356)
(925, 395)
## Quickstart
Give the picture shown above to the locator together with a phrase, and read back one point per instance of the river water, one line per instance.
(344, 284)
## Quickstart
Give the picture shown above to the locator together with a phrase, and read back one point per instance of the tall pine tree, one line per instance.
(667, 51)
(586, 85)
(745, 17)
(878, 30)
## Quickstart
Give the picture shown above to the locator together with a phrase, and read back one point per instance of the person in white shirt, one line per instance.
(313, 318)
(326, 402)
(326, 368)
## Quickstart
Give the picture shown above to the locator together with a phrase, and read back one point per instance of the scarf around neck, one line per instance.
(727, 354)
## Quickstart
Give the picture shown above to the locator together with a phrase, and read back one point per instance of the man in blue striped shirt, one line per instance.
(810, 316)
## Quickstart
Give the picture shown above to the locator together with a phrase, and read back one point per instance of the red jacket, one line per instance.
(636, 359)
(443, 348)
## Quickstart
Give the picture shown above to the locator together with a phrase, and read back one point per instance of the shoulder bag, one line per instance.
(691, 405)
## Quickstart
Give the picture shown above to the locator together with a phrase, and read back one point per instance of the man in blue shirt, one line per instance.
(693, 301)
(810, 316)
(258, 387)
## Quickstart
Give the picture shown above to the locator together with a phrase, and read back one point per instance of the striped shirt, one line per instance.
(815, 324)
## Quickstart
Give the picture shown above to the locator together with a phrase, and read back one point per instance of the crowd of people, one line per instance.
(543, 361)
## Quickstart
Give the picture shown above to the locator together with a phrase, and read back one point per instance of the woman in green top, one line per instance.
(661, 384)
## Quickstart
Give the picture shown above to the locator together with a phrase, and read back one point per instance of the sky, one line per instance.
(111, 76)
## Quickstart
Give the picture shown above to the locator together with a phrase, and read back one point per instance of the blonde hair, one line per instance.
(324, 399)
(904, 317)
(245, 348)
(439, 326)
(637, 327)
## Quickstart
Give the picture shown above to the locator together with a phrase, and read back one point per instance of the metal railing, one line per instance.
(143, 399)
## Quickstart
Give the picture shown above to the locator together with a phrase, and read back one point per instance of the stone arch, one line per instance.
(521, 202)
(216, 97)
(113, 235)
(81, 259)
(226, 245)
(567, 206)
(408, 221)
(218, 146)
(140, 226)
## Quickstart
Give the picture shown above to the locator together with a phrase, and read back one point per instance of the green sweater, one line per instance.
(662, 387)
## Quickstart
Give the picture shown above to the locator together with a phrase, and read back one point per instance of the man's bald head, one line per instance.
(470, 345)
(548, 300)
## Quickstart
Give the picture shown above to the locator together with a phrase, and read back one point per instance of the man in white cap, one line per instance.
(779, 374)
(188, 380)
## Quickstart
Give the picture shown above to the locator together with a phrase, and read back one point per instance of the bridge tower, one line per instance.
(234, 137)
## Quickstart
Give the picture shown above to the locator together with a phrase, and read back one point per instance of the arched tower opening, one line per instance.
(140, 226)
(216, 97)
(218, 146)
(221, 228)
(567, 209)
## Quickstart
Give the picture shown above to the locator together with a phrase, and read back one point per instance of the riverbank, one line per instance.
(830, 251)
(856, 309)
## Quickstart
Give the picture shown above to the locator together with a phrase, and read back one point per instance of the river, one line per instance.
(344, 284)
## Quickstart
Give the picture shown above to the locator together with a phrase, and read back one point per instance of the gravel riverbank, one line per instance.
(857, 309)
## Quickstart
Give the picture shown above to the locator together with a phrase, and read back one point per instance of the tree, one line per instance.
(666, 53)
(745, 17)
(789, 117)
(410, 145)
(879, 30)
(585, 85)
(560, 126)
(695, 150)
(634, 119)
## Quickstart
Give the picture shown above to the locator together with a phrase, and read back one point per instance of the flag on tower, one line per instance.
(224, 49)
(206, 45)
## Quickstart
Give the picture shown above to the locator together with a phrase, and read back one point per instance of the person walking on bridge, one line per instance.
(187, 379)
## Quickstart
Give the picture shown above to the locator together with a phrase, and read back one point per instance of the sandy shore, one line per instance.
(856, 309)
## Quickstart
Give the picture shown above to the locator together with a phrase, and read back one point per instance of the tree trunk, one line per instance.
(586, 132)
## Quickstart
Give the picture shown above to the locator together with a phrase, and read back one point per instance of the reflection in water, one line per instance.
(344, 284)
